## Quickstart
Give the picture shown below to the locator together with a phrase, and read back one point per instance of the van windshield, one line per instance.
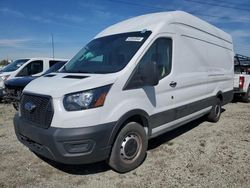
(14, 65)
(107, 54)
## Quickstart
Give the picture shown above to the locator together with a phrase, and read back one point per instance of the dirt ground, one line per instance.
(199, 154)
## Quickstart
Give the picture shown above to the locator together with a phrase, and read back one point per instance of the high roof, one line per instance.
(158, 22)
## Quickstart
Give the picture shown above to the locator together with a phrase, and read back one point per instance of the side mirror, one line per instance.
(150, 73)
(147, 74)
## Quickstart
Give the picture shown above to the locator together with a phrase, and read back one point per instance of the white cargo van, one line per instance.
(134, 81)
(27, 67)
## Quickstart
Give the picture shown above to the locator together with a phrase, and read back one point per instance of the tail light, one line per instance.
(242, 81)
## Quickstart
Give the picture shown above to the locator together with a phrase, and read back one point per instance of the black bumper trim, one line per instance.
(53, 143)
(227, 97)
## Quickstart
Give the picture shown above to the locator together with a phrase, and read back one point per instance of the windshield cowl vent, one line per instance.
(49, 75)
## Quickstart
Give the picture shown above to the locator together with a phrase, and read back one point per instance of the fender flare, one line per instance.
(120, 123)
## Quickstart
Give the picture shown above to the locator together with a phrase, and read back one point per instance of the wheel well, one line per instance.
(219, 96)
(138, 119)
(141, 119)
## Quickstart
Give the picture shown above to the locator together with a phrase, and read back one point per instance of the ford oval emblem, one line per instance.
(29, 106)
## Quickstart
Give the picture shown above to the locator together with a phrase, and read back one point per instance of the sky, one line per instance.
(27, 26)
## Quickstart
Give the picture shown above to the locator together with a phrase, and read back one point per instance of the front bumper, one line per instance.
(66, 145)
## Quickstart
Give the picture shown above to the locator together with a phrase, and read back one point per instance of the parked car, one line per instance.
(15, 86)
(1, 89)
(135, 80)
(242, 77)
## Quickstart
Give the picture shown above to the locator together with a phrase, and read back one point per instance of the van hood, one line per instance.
(20, 82)
(57, 85)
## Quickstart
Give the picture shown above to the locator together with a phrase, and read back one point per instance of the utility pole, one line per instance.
(52, 42)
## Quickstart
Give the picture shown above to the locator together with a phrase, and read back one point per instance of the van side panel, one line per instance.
(189, 68)
(204, 66)
(220, 70)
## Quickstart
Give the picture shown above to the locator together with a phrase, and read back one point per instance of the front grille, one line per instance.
(13, 94)
(41, 112)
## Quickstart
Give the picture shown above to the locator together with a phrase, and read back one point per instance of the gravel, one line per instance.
(198, 154)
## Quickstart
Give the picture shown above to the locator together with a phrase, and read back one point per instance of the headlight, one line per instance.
(86, 99)
(5, 77)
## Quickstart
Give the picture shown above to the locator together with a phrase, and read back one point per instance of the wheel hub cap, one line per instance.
(217, 110)
(130, 147)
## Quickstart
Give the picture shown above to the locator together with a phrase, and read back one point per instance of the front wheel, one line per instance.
(246, 96)
(129, 149)
(215, 112)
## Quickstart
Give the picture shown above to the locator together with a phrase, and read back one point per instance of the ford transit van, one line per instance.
(135, 80)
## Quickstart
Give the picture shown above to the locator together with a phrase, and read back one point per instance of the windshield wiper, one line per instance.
(88, 72)
(77, 71)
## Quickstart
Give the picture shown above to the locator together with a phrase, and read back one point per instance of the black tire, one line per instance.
(129, 149)
(215, 112)
(246, 96)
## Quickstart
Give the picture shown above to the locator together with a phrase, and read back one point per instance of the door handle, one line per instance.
(173, 84)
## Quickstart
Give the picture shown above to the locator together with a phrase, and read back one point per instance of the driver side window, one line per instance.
(161, 53)
(33, 67)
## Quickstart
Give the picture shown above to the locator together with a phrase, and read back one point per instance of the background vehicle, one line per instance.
(27, 67)
(15, 86)
(1, 89)
(135, 80)
(1, 68)
(242, 77)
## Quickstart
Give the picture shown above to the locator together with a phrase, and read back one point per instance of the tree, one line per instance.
(4, 62)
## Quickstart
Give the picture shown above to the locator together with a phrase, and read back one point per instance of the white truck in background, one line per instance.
(242, 77)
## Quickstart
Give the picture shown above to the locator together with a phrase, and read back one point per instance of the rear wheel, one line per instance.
(246, 96)
(215, 112)
(129, 149)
